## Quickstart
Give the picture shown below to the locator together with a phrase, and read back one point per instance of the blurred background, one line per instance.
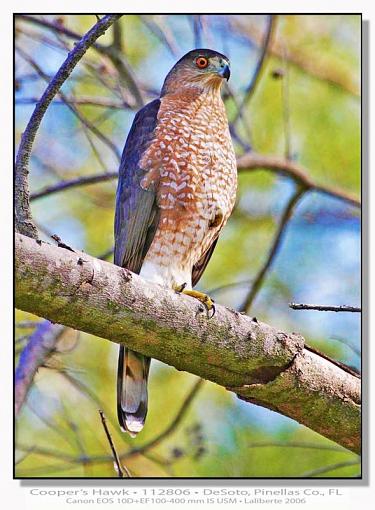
(294, 95)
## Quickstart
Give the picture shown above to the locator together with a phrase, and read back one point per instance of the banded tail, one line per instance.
(132, 375)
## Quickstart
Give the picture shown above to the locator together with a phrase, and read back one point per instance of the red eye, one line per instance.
(201, 62)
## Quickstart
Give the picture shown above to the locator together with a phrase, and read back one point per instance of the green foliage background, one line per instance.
(319, 260)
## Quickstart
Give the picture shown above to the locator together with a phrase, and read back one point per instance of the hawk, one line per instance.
(176, 190)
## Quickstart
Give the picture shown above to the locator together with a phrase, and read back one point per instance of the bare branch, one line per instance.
(197, 30)
(24, 223)
(249, 91)
(117, 36)
(250, 161)
(73, 183)
(117, 58)
(261, 364)
(305, 59)
(254, 161)
(101, 102)
(331, 467)
(324, 308)
(287, 215)
(297, 444)
(119, 466)
(85, 122)
(142, 450)
(162, 32)
(42, 342)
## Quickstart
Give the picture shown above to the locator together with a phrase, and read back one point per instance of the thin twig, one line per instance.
(85, 122)
(117, 58)
(117, 36)
(44, 470)
(119, 466)
(73, 183)
(250, 89)
(197, 30)
(101, 102)
(325, 308)
(258, 280)
(23, 218)
(331, 467)
(286, 107)
(302, 57)
(297, 444)
(162, 32)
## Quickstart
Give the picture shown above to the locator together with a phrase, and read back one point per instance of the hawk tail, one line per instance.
(132, 375)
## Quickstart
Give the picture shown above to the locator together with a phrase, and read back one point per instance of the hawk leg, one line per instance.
(207, 302)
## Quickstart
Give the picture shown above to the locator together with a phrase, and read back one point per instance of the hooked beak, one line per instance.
(225, 71)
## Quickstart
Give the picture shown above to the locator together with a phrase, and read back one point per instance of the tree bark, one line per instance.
(262, 364)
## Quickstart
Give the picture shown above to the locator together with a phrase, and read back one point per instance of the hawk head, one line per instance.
(202, 68)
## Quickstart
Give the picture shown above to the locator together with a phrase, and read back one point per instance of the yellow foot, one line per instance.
(203, 298)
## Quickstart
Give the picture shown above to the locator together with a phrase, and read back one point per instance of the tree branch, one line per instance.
(324, 308)
(249, 91)
(41, 343)
(119, 466)
(261, 364)
(140, 450)
(101, 102)
(24, 223)
(116, 57)
(86, 123)
(250, 161)
(286, 217)
(254, 161)
(73, 183)
(301, 57)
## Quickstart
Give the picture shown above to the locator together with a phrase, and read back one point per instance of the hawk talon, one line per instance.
(206, 301)
(180, 288)
(213, 311)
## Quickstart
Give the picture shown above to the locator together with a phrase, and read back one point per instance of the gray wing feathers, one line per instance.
(136, 220)
(137, 214)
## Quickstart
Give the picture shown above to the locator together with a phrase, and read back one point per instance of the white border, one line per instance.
(13, 494)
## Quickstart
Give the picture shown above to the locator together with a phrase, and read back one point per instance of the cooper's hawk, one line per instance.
(176, 190)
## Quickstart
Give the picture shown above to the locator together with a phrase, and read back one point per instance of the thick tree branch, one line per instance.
(260, 363)
(24, 223)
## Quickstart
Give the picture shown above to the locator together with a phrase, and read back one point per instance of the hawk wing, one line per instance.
(137, 215)
(200, 266)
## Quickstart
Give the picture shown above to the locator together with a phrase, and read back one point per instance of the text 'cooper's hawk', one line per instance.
(176, 190)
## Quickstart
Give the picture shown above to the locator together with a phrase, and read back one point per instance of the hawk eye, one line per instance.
(201, 62)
